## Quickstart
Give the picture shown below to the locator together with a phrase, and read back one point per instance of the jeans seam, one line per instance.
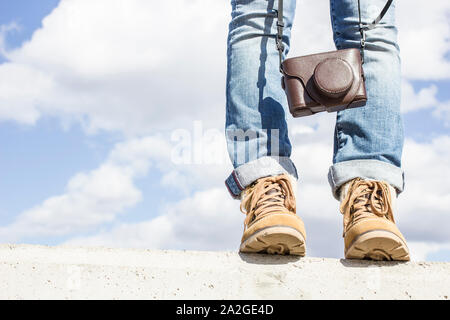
(331, 175)
(236, 179)
(338, 133)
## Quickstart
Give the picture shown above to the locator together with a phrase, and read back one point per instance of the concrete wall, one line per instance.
(38, 272)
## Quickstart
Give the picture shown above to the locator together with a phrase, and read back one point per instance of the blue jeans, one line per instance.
(368, 141)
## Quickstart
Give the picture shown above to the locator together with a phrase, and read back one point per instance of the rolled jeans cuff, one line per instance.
(246, 174)
(345, 171)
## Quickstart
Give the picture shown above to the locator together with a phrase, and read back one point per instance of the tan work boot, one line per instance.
(369, 227)
(271, 225)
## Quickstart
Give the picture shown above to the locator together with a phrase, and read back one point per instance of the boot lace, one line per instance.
(267, 196)
(366, 198)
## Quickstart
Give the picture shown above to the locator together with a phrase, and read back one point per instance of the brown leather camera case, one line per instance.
(331, 81)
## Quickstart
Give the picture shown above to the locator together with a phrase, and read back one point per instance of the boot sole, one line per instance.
(275, 240)
(378, 245)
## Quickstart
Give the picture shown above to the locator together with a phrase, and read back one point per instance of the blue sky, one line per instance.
(26, 13)
(87, 116)
(421, 125)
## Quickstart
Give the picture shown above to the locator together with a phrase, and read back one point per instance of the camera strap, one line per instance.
(362, 28)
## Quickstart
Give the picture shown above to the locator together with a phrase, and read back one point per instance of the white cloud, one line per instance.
(424, 207)
(420, 251)
(4, 30)
(151, 234)
(311, 32)
(442, 112)
(425, 98)
(21, 91)
(91, 198)
(413, 101)
(424, 37)
(97, 197)
(135, 68)
(208, 220)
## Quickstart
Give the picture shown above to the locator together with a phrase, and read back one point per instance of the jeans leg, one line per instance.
(256, 108)
(368, 141)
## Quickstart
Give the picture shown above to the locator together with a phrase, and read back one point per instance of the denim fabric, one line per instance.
(368, 141)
